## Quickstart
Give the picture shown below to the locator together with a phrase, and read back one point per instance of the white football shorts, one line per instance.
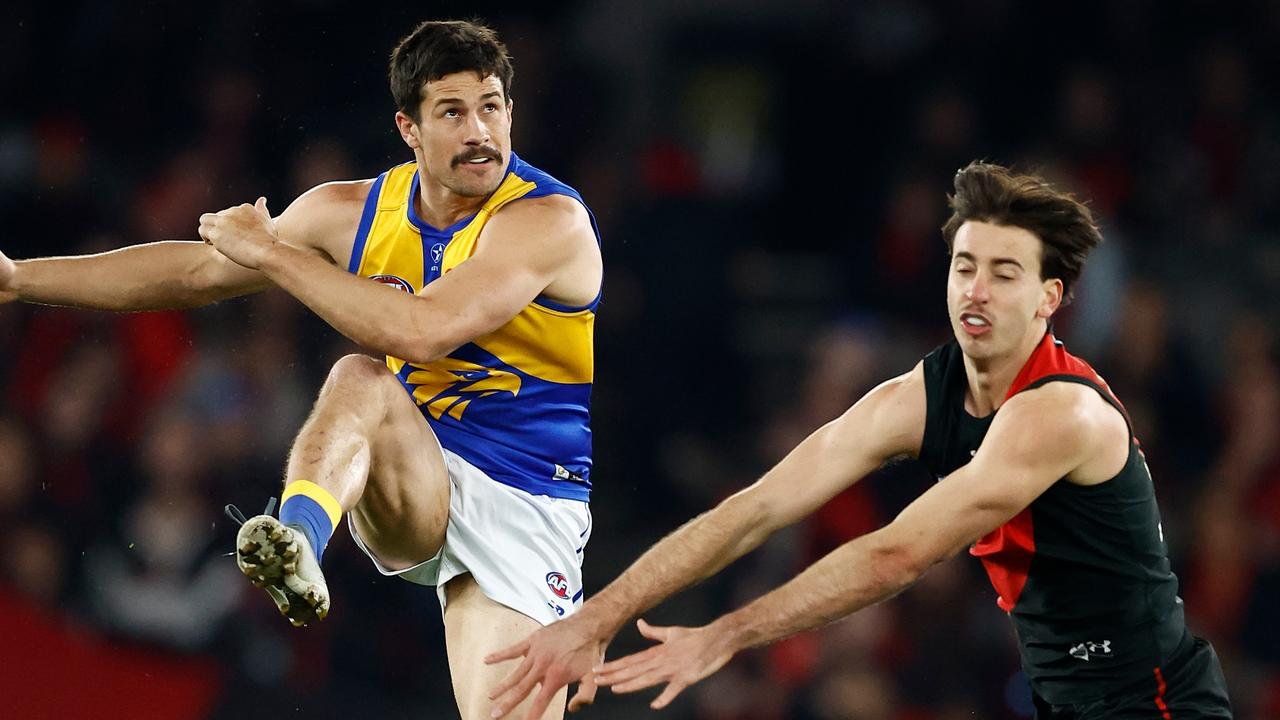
(524, 551)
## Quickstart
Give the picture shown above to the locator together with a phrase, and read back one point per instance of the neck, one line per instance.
(991, 378)
(440, 207)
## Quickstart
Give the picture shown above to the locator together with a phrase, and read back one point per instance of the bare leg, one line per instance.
(475, 626)
(368, 445)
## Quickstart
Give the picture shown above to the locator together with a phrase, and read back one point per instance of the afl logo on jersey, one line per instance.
(395, 282)
(559, 585)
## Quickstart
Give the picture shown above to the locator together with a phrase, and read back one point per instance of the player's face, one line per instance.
(995, 296)
(464, 134)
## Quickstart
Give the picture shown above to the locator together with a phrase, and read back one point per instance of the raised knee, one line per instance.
(360, 373)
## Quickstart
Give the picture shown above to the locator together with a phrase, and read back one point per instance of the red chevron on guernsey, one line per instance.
(1006, 554)
(1007, 551)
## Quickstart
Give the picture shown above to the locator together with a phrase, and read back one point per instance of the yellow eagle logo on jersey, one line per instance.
(448, 385)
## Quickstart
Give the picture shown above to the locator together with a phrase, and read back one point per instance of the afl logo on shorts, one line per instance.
(395, 282)
(558, 584)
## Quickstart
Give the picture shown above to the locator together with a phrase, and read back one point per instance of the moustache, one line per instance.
(474, 153)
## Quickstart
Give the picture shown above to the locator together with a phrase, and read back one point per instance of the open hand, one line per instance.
(554, 656)
(682, 657)
(8, 271)
(244, 233)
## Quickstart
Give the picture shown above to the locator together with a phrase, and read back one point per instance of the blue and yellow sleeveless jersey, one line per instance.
(514, 403)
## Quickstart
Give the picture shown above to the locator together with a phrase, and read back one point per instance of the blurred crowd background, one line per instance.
(769, 178)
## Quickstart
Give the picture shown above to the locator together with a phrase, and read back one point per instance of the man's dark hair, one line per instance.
(993, 194)
(442, 47)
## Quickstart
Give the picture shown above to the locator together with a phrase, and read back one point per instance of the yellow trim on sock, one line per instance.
(325, 499)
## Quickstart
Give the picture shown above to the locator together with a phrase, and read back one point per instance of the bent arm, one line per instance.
(522, 251)
(155, 276)
(884, 424)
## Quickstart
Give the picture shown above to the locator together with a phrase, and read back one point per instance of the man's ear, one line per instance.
(408, 128)
(1053, 291)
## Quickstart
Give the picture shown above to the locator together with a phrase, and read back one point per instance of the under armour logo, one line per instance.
(1086, 650)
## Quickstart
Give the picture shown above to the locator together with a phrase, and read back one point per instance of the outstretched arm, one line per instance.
(156, 276)
(887, 422)
(180, 274)
(1016, 463)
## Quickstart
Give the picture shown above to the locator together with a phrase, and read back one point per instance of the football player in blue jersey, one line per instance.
(486, 327)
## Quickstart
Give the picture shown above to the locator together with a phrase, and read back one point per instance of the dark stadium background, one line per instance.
(769, 178)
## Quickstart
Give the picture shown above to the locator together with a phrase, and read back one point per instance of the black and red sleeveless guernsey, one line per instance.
(1084, 570)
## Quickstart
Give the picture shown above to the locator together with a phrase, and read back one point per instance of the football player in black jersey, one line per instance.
(1040, 477)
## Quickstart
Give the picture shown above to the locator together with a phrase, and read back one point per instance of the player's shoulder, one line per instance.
(1062, 412)
(902, 387)
(336, 197)
(550, 206)
(326, 216)
(555, 208)
(1063, 399)
(548, 221)
(904, 395)
(896, 409)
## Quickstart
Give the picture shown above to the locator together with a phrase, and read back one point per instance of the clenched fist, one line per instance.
(244, 233)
